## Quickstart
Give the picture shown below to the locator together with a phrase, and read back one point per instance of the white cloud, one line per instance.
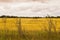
(30, 8)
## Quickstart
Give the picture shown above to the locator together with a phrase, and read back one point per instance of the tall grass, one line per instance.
(30, 35)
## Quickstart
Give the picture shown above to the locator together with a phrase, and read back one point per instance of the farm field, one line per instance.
(32, 28)
(28, 24)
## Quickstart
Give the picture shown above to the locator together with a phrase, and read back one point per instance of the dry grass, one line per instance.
(33, 29)
(29, 24)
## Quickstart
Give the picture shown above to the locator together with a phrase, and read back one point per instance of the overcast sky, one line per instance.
(30, 7)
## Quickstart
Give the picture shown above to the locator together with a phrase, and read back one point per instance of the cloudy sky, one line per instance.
(30, 8)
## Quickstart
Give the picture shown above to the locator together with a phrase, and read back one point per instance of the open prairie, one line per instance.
(30, 28)
(29, 24)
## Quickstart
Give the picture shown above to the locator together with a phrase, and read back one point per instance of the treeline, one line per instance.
(4, 16)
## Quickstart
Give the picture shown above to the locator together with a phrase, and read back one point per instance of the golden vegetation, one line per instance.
(29, 24)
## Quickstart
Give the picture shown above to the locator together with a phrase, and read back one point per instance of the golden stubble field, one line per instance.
(29, 24)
